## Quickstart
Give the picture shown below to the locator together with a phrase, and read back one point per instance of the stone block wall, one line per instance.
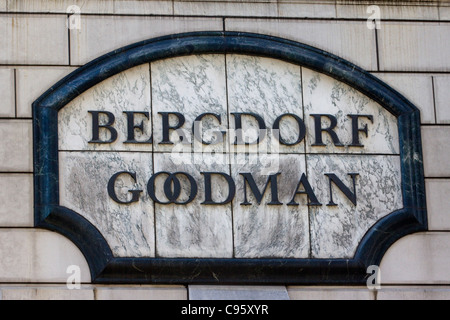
(410, 51)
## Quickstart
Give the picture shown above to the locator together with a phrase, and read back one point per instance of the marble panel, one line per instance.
(84, 178)
(269, 88)
(270, 231)
(192, 86)
(325, 95)
(126, 91)
(337, 230)
(193, 230)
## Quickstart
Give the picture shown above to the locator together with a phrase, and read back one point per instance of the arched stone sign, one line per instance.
(227, 158)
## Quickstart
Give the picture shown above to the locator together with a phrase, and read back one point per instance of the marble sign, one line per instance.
(201, 158)
(167, 97)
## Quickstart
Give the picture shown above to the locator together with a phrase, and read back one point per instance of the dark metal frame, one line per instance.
(105, 268)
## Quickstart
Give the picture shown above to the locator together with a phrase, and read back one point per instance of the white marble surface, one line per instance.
(192, 86)
(337, 230)
(126, 91)
(325, 95)
(269, 88)
(128, 229)
(269, 231)
(193, 230)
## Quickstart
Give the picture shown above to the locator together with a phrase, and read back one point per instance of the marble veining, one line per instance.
(268, 231)
(269, 88)
(128, 229)
(337, 230)
(325, 95)
(190, 85)
(194, 230)
(126, 91)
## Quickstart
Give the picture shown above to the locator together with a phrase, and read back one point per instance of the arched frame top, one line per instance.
(105, 268)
